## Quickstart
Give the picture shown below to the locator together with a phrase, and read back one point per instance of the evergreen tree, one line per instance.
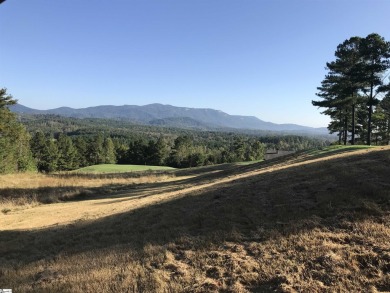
(158, 152)
(375, 53)
(239, 147)
(339, 88)
(379, 125)
(257, 151)
(52, 155)
(347, 69)
(181, 152)
(80, 145)
(15, 155)
(138, 152)
(121, 150)
(385, 105)
(6, 99)
(354, 78)
(109, 151)
(39, 149)
(66, 153)
(95, 152)
(45, 152)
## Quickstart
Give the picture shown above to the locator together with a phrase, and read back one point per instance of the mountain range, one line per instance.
(167, 115)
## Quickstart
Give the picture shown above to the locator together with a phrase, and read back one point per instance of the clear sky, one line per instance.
(245, 57)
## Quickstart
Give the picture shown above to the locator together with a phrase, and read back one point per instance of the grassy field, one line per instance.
(31, 189)
(336, 149)
(247, 163)
(309, 222)
(114, 168)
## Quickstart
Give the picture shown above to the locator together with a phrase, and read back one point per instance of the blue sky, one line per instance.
(245, 57)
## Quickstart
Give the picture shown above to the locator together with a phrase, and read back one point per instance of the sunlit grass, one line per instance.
(336, 148)
(33, 188)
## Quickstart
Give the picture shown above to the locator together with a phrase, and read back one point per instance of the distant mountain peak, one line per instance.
(170, 115)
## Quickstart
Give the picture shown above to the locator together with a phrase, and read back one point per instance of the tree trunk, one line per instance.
(340, 133)
(346, 130)
(370, 102)
(353, 125)
(388, 131)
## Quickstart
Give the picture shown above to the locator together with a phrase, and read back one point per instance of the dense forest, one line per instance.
(356, 91)
(87, 142)
(49, 143)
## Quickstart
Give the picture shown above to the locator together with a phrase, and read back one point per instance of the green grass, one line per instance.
(247, 162)
(113, 168)
(337, 148)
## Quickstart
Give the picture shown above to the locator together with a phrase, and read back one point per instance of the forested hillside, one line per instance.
(87, 142)
(54, 143)
(159, 114)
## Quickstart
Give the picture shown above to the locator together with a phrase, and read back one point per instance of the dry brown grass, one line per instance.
(298, 225)
(38, 180)
(31, 189)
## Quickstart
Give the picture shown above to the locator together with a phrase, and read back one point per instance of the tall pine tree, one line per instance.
(375, 54)
(354, 78)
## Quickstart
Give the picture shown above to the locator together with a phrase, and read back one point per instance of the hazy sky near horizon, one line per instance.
(247, 57)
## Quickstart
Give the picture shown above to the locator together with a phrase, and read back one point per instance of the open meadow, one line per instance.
(314, 221)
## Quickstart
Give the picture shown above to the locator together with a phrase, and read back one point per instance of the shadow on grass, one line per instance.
(198, 175)
(322, 153)
(118, 175)
(47, 195)
(287, 201)
(191, 177)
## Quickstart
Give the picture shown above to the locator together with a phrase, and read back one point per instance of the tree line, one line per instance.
(66, 153)
(126, 132)
(356, 93)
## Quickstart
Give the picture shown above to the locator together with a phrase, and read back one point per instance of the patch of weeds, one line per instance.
(5, 211)
(48, 198)
(78, 195)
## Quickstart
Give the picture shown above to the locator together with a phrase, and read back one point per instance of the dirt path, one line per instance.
(42, 216)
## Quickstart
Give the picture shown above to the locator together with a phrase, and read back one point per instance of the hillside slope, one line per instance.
(150, 114)
(309, 223)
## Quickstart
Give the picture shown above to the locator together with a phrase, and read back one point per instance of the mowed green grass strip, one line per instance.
(337, 148)
(113, 168)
